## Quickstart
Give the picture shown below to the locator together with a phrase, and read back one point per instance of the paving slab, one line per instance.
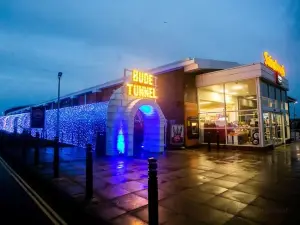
(194, 186)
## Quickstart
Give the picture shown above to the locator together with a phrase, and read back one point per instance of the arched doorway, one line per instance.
(147, 133)
(133, 125)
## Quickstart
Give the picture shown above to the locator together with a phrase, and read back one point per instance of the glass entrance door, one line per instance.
(277, 128)
(267, 128)
(273, 128)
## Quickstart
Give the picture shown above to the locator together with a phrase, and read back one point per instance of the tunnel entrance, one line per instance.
(146, 135)
(138, 133)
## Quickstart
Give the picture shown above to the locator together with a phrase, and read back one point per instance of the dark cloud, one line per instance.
(93, 41)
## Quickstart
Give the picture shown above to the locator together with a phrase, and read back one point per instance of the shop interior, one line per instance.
(229, 111)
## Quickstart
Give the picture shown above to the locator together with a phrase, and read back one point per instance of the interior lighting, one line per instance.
(147, 109)
(237, 87)
(204, 103)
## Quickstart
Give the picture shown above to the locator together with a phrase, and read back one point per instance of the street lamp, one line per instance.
(59, 75)
(295, 131)
(295, 109)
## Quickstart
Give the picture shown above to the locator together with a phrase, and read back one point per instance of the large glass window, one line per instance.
(287, 127)
(211, 98)
(237, 123)
(264, 89)
(271, 92)
(212, 108)
(241, 112)
(241, 95)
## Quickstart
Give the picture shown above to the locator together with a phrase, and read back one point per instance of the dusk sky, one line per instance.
(93, 41)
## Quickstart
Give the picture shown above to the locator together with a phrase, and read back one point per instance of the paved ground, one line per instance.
(16, 207)
(195, 187)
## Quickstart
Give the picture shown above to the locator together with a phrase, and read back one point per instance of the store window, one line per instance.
(212, 111)
(229, 112)
(271, 92)
(241, 95)
(264, 89)
(287, 127)
(243, 128)
(241, 113)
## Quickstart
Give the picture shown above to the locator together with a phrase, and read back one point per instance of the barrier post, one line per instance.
(208, 141)
(36, 149)
(24, 146)
(218, 140)
(89, 173)
(56, 158)
(1, 142)
(152, 192)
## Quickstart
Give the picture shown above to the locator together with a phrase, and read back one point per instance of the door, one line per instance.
(277, 128)
(267, 128)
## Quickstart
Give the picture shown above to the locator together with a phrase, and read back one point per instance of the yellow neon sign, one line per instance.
(143, 85)
(273, 64)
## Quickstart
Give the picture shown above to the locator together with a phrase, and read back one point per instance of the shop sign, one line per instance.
(177, 135)
(278, 79)
(142, 85)
(37, 117)
(274, 65)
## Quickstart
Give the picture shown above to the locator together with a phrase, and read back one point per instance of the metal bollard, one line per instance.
(152, 192)
(89, 173)
(56, 158)
(36, 149)
(208, 142)
(218, 140)
(1, 142)
(24, 146)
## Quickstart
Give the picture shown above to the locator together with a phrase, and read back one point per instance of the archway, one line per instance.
(120, 127)
(146, 132)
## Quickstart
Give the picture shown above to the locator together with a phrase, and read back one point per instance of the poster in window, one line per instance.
(177, 135)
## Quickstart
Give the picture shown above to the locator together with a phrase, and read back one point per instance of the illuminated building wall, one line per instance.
(78, 124)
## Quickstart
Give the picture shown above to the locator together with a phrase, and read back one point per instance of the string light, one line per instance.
(78, 124)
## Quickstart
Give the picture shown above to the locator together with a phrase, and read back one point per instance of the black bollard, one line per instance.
(152, 192)
(89, 173)
(1, 142)
(24, 146)
(208, 142)
(218, 140)
(36, 149)
(56, 158)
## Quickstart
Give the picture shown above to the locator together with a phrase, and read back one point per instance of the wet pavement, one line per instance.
(195, 186)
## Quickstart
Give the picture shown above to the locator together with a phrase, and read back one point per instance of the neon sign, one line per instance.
(273, 64)
(143, 85)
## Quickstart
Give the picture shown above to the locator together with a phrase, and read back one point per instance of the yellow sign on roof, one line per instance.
(273, 64)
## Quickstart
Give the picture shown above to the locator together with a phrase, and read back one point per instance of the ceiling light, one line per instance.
(237, 87)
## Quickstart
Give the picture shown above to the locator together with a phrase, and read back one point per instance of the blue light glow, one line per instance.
(121, 141)
(78, 124)
(151, 128)
(147, 109)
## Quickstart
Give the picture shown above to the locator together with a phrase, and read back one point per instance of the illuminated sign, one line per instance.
(273, 64)
(143, 85)
(278, 79)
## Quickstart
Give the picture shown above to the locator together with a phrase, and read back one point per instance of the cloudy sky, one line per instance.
(92, 41)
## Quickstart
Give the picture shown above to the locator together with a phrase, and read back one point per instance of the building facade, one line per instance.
(245, 105)
(182, 104)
